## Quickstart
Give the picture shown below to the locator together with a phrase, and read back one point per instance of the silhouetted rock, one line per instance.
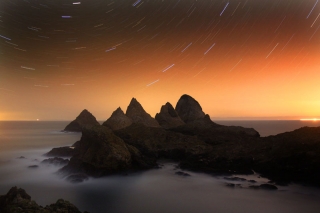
(83, 119)
(118, 120)
(184, 174)
(268, 186)
(199, 144)
(138, 115)
(235, 179)
(65, 151)
(56, 161)
(18, 201)
(77, 178)
(290, 156)
(100, 152)
(168, 117)
(189, 109)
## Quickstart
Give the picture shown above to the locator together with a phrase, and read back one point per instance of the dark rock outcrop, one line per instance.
(18, 201)
(65, 151)
(290, 156)
(168, 117)
(118, 120)
(189, 109)
(83, 119)
(77, 178)
(138, 115)
(55, 161)
(100, 152)
(199, 144)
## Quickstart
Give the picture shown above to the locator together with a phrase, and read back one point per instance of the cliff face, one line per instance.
(18, 201)
(84, 118)
(138, 115)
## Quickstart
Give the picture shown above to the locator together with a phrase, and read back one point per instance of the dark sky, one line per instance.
(238, 58)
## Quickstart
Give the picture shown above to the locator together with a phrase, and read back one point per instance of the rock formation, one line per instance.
(100, 152)
(168, 117)
(18, 201)
(84, 118)
(138, 115)
(65, 151)
(196, 141)
(118, 120)
(189, 109)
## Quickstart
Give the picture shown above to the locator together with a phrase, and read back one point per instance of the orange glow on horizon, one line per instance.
(310, 119)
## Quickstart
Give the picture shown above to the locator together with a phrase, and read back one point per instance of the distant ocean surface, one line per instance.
(270, 127)
(156, 191)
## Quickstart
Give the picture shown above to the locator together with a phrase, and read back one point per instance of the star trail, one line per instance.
(239, 58)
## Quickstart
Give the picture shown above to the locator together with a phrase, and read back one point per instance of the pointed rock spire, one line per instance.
(168, 117)
(84, 118)
(138, 115)
(189, 109)
(118, 120)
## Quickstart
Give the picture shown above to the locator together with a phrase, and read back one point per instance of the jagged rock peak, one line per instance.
(138, 115)
(189, 109)
(84, 118)
(168, 117)
(118, 120)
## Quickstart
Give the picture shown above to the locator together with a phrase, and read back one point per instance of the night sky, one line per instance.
(238, 58)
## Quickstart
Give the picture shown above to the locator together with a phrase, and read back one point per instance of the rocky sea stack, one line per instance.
(138, 115)
(118, 120)
(18, 201)
(168, 117)
(84, 118)
(130, 142)
(189, 109)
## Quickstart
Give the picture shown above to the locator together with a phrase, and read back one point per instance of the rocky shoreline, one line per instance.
(18, 201)
(134, 141)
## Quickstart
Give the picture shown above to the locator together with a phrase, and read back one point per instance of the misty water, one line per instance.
(157, 190)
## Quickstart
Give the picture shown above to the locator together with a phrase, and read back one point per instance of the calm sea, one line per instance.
(156, 191)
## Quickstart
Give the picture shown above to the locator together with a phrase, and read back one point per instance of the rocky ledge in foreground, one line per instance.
(18, 201)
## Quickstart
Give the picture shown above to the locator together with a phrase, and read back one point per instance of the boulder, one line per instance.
(83, 119)
(138, 115)
(168, 117)
(118, 120)
(189, 109)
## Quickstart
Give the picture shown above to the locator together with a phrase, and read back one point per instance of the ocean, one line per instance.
(156, 191)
